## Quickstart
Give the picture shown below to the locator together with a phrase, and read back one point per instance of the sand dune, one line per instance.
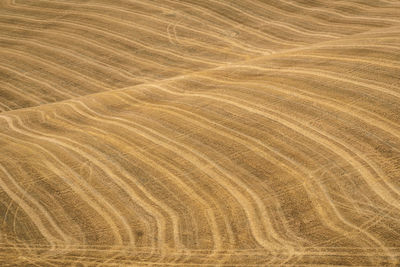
(191, 133)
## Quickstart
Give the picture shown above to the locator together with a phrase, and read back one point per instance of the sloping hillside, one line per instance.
(191, 133)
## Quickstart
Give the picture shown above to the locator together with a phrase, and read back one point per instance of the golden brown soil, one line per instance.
(199, 132)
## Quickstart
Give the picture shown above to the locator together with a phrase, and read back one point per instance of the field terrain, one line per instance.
(199, 133)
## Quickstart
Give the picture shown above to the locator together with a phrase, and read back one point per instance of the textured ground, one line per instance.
(199, 132)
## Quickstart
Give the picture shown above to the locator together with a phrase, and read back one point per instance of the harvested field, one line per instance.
(199, 133)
